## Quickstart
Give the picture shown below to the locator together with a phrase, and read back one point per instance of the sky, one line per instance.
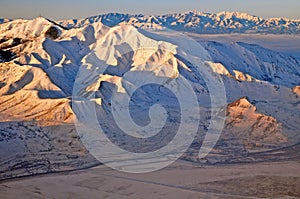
(70, 9)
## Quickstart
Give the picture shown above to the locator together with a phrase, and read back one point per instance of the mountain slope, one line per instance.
(59, 59)
(252, 129)
(244, 61)
(37, 80)
(246, 132)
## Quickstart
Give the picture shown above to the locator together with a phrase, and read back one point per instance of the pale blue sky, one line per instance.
(67, 9)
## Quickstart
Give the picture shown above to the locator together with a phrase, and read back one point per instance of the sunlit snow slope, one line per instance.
(40, 60)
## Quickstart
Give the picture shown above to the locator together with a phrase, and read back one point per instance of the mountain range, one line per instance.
(195, 22)
(40, 60)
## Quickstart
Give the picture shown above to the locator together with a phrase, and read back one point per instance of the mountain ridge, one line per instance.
(61, 58)
(197, 22)
(191, 21)
(37, 88)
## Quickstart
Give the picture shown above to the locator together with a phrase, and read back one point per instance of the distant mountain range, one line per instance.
(198, 22)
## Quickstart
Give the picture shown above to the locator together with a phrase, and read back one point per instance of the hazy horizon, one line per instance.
(67, 9)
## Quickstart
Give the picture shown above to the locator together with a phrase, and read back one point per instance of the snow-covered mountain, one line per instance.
(197, 22)
(249, 62)
(41, 59)
(60, 55)
(45, 58)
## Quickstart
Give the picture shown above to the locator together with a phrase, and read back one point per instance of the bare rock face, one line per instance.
(252, 129)
(296, 90)
(6, 55)
(52, 33)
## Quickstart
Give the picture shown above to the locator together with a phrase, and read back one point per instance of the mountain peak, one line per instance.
(240, 15)
(195, 12)
(242, 103)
